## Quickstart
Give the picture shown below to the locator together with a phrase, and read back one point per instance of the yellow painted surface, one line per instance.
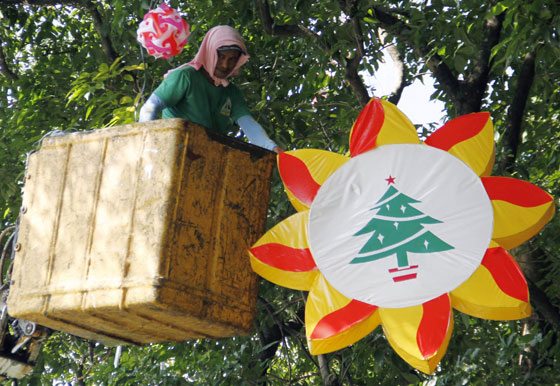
(139, 233)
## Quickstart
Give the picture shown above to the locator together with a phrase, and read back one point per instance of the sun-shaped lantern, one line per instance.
(163, 32)
(400, 233)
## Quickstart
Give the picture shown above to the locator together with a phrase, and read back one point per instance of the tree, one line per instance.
(74, 65)
(398, 228)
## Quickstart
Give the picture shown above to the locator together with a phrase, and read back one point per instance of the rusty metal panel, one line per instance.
(139, 233)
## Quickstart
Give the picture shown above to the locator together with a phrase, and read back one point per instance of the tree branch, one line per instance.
(528, 259)
(479, 76)
(467, 95)
(448, 81)
(293, 30)
(275, 334)
(513, 133)
(4, 68)
(79, 377)
(543, 305)
(106, 42)
(400, 83)
(352, 65)
(281, 29)
(329, 379)
(474, 87)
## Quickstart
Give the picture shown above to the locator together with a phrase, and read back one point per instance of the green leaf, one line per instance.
(134, 67)
(499, 8)
(88, 111)
(460, 63)
(125, 100)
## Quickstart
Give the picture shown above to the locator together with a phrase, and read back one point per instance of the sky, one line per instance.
(415, 101)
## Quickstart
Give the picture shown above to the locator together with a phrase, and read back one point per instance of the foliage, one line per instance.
(61, 68)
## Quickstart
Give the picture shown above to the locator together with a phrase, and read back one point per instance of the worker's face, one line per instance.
(226, 63)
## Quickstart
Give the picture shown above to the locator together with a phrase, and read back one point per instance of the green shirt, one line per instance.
(187, 94)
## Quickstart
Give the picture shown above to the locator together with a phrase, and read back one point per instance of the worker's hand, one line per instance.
(278, 150)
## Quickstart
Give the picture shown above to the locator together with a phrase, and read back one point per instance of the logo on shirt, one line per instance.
(226, 108)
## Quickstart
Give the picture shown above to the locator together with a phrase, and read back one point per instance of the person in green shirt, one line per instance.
(200, 91)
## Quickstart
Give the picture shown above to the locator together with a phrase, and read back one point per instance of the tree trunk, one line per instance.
(329, 379)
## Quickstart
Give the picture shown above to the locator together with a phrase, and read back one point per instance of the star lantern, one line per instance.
(401, 233)
(163, 32)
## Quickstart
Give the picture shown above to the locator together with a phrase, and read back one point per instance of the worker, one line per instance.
(200, 91)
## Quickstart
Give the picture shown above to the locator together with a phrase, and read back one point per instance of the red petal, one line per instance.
(366, 128)
(342, 319)
(517, 192)
(434, 325)
(506, 273)
(458, 130)
(284, 257)
(297, 178)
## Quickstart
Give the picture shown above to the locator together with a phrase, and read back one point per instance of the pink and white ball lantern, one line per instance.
(163, 32)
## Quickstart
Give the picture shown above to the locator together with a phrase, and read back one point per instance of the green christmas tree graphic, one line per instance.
(398, 228)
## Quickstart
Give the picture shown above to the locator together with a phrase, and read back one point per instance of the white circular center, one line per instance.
(400, 225)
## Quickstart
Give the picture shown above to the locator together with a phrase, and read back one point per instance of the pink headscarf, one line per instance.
(207, 55)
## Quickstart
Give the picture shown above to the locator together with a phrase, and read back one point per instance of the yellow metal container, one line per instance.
(139, 233)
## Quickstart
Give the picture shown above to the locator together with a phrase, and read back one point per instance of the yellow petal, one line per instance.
(521, 209)
(332, 321)
(420, 334)
(397, 128)
(470, 138)
(497, 290)
(282, 255)
(304, 171)
(380, 123)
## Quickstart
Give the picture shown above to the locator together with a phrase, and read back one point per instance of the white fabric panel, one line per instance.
(445, 189)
